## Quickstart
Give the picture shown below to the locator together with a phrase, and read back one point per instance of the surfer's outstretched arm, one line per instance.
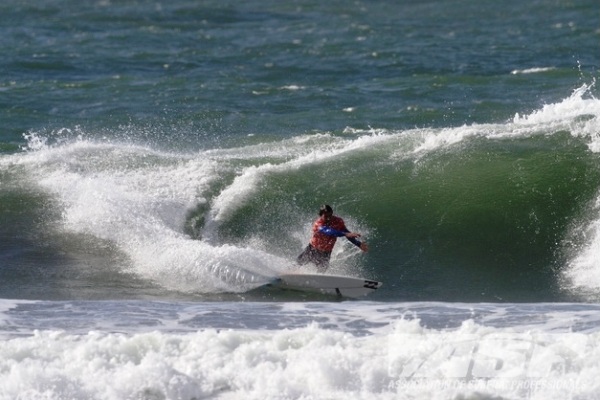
(351, 236)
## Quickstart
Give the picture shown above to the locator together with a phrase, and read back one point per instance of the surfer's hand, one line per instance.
(352, 235)
(364, 247)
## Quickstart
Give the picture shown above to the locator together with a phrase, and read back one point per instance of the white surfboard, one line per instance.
(344, 286)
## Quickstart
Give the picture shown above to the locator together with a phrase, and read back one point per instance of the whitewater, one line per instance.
(159, 350)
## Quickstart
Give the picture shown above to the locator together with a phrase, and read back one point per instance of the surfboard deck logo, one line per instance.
(372, 284)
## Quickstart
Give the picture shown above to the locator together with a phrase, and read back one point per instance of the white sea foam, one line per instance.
(578, 114)
(568, 112)
(324, 351)
(583, 270)
(531, 70)
(138, 199)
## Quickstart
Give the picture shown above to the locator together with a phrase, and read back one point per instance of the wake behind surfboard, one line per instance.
(338, 285)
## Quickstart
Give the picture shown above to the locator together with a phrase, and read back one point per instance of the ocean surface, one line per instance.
(161, 162)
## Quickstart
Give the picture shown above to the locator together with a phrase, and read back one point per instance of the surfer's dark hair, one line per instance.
(325, 208)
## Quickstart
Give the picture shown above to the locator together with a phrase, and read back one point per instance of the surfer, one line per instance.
(325, 231)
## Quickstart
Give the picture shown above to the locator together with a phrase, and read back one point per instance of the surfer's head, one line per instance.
(325, 210)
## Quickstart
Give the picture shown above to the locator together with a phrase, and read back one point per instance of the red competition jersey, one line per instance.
(322, 241)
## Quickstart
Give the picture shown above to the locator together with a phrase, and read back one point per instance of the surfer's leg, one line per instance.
(321, 260)
(306, 256)
(312, 255)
